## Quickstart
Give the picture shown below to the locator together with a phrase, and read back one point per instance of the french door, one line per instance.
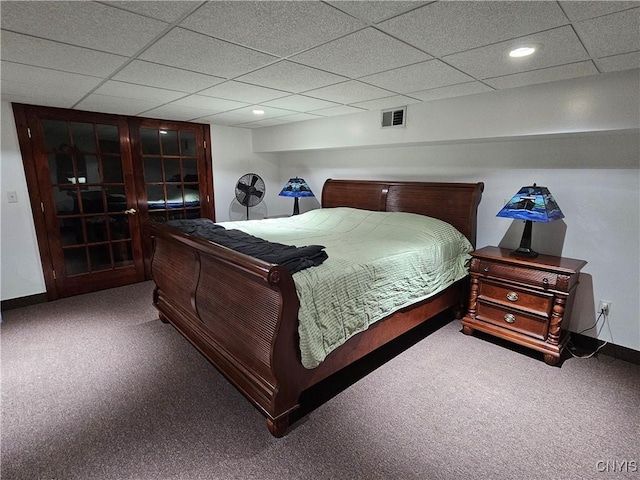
(172, 171)
(91, 192)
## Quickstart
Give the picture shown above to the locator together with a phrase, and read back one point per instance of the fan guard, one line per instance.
(250, 190)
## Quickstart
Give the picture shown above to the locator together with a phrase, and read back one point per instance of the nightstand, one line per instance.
(523, 300)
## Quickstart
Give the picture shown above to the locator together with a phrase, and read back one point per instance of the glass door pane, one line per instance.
(170, 173)
(80, 169)
(95, 179)
(85, 166)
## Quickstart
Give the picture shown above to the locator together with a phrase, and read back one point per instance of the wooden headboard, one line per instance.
(454, 203)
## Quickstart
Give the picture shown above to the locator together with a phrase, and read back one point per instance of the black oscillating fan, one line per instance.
(250, 191)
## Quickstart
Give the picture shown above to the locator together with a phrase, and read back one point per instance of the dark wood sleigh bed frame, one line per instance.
(241, 312)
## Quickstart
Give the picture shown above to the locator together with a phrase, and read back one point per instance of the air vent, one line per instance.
(395, 117)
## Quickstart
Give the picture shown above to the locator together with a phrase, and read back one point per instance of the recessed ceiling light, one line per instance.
(258, 112)
(522, 52)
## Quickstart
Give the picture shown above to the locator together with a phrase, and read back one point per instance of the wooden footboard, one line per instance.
(242, 313)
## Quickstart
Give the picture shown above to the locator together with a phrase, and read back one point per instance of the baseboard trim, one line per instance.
(20, 302)
(589, 344)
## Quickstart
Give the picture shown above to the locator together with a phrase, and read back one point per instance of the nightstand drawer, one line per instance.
(522, 299)
(530, 276)
(536, 303)
(513, 320)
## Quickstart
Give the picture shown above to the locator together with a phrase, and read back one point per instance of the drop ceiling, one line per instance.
(218, 61)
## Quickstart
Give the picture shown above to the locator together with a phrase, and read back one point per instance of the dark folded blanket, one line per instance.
(292, 258)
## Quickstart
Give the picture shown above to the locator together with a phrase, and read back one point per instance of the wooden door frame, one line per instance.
(33, 179)
(207, 205)
(37, 208)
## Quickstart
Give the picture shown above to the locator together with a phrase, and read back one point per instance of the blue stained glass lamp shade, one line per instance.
(296, 188)
(531, 204)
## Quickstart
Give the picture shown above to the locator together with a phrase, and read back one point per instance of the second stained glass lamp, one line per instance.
(296, 188)
(531, 204)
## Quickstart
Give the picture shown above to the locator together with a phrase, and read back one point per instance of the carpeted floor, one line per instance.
(96, 387)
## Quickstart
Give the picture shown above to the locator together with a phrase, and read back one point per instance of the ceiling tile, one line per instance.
(37, 77)
(349, 92)
(362, 53)
(228, 118)
(291, 77)
(451, 91)
(559, 46)
(138, 92)
(581, 10)
(42, 86)
(377, 11)
(299, 117)
(109, 104)
(619, 62)
(420, 76)
(387, 102)
(59, 56)
(611, 34)
(200, 53)
(335, 111)
(162, 76)
(269, 112)
(442, 28)
(214, 105)
(267, 26)
(167, 11)
(14, 92)
(551, 74)
(86, 24)
(178, 112)
(243, 92)
(268, 122)
(299, 103)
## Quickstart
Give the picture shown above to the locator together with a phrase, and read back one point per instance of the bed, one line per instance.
(242, 313)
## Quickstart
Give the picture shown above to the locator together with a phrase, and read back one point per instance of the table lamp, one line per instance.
(296, 188)
(531, 204)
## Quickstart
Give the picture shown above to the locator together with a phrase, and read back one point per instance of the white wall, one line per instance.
(233, 157)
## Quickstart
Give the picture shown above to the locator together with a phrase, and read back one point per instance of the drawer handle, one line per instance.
(486, 269)
(545, 281)
(512, 296)
(509, 318)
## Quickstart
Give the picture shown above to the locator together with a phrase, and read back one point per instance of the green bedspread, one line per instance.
(379, 262)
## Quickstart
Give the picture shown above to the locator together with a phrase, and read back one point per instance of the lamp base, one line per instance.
(523, 252)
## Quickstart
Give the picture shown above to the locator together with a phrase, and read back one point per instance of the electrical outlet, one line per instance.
(604, 307)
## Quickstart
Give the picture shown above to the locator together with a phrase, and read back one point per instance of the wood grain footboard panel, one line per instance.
(231, 307)
(175, 272)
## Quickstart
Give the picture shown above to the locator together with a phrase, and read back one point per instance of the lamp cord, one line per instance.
(572, 346)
